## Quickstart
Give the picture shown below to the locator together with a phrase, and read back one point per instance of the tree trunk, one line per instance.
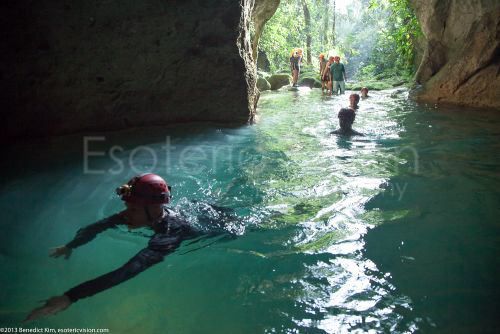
(333, 26)
(326, 19)
(307, 19)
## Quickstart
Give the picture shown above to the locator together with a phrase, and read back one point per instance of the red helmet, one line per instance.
(145, 189)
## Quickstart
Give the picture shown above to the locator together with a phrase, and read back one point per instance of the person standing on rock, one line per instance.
(295, 61)
(338, 75)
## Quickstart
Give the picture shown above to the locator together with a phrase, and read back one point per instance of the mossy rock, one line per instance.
(279, 80)
(262, 74)
(310, 82)
(399, 83)
(263, 84)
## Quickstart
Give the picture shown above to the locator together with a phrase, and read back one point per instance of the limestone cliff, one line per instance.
(461, 62)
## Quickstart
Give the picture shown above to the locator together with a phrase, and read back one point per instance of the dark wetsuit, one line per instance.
(169, 233)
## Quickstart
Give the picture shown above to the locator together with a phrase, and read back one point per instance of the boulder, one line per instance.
(263, 84)
(279, 80)
(262, 74)
(310, 82)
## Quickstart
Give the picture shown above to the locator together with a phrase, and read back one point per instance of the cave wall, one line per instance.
(71, 66)
(461, 61)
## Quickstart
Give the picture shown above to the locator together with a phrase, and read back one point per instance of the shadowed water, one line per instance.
(396, 231)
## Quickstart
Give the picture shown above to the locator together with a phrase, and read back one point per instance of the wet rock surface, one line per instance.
(92, 65)
(461, 61)
(279, 80)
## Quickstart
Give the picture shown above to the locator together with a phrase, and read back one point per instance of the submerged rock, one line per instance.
(279, 80)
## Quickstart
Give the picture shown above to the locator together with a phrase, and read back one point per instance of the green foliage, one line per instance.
(402, 29)
(374, 38)
(283, 32)
(367, 72)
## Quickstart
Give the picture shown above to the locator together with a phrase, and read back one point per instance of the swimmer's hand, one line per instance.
(62, 250)
(52, 306)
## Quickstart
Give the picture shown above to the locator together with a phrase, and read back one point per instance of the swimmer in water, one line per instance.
(364, 92)
(145, 197)
(354, 100)
(346, 118)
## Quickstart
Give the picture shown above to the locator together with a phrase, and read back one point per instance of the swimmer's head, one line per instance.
(364, 92)
(346, 118)
(145, 189)
(354, 99)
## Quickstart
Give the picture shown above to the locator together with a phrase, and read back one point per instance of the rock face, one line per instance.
(461, 61)
(70, 66)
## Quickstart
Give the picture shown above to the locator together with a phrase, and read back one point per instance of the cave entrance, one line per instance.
(376, 39)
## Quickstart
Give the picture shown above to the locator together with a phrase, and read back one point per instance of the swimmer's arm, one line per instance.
(159, 246)
(89, 232)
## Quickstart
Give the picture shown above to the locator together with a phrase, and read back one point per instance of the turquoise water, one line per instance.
(397, 231)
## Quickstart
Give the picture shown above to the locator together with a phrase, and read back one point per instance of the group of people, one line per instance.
(332, 72)
(145, 197)
(333, 76)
